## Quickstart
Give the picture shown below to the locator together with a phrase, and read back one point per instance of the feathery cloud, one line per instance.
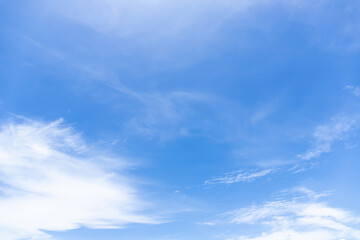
(297, 218)
(240, 176)
(325, 135)
(50, 179)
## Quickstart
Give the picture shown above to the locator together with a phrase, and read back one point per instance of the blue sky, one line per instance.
(173, 120)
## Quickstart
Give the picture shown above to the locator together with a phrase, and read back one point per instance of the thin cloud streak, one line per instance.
(240, 176)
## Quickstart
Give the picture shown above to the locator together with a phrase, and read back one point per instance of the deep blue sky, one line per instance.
(230, 118)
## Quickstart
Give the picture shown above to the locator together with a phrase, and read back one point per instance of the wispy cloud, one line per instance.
(339, 128)
(160, 17)
(163, 115)
(157, 17)
(300, 217)
(240, 176)
(325, 135)
(50, 179)
(160, 114)
(167, 27)
(353, 90)
(163, 24)
(263, 112)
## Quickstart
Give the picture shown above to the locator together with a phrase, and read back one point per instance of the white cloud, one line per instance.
(50, 179)
(301, 217)
(325, 135)
(353, 90)
(240, 176)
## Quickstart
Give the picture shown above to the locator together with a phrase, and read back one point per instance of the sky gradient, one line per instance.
(179, 120)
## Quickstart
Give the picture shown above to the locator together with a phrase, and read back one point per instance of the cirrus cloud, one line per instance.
(50, 179)
(300, 217)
